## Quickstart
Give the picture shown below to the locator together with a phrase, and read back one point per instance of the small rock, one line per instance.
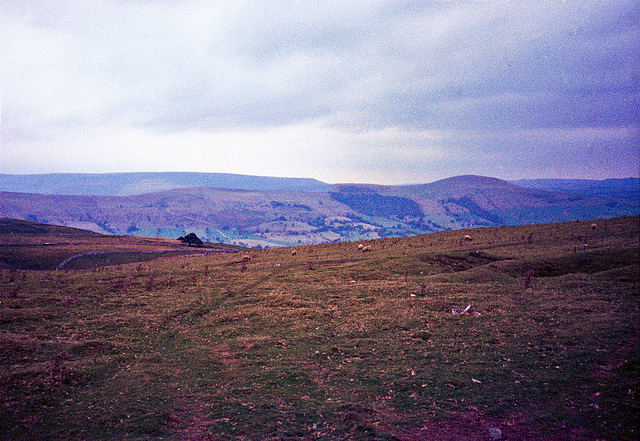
(495, 433)
(459, 311)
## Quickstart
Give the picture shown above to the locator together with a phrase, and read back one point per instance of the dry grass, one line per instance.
(334, 343)
(32, 246)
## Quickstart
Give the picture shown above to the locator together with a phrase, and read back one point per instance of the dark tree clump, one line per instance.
(191, 239)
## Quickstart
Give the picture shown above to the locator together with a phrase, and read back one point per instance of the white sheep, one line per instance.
(294, 252)
(594, 226)
(246, 258)
(360, 247)
(366, 249)
(467, 238)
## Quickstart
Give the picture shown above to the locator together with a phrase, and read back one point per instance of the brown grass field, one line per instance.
(328, 344)
(34, 246)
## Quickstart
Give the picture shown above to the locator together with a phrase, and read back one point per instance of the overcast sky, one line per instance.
(342, 91)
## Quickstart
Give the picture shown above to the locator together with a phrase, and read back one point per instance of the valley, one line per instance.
(277, 216)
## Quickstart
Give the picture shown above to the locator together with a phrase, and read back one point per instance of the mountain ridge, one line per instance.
(621, 187)
(343, 212)
(129, 184)
(132, 183)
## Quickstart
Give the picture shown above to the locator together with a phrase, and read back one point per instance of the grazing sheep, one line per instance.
(246, 258)
(594, 226)
(366, 249)
(467, 238)
(294, 252)
(360, 247)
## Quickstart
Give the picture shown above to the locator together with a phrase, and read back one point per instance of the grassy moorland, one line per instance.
(333, 343)
(36, 246)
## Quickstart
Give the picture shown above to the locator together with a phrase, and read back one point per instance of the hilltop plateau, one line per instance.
(129, 184)
(531, 330)
(282, 213)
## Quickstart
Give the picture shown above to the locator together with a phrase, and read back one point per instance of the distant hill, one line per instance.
(628, 188)
(345, 212)
(127, 184)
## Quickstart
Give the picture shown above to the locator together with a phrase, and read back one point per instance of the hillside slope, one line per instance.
(26, 245)
(532, 330)
(345, 212)
(628, 188)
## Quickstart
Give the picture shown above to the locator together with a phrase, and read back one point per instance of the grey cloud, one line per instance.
(419, 65)
(258, 64)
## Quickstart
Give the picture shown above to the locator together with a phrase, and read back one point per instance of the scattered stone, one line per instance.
(459, 311)
(495, 433)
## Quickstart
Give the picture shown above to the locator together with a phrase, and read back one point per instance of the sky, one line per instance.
(387, 92)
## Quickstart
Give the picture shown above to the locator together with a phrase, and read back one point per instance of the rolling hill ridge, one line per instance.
(342, 212)
(127, 184)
